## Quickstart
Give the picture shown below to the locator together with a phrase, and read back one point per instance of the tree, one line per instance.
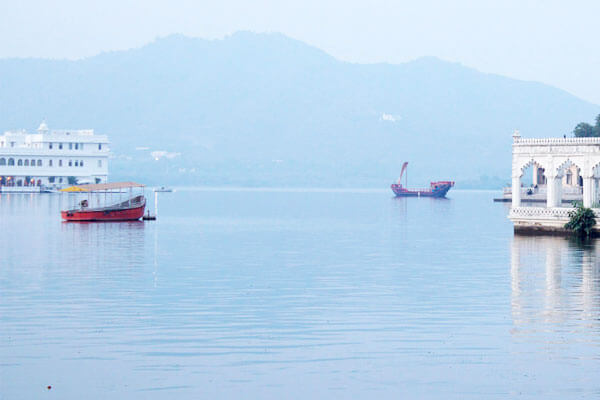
(581, 221)
(583, 129)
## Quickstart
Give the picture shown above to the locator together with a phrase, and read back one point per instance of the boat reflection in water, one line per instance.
(555, 288)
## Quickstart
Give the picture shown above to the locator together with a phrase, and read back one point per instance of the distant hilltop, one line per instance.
(228, 108)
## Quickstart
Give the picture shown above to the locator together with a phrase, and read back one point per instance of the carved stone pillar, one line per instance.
(594, 191)
(589, 190)
(553, 195)
(516, 191)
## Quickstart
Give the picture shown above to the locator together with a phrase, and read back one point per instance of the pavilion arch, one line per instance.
(538, 172)
(520, 165)
(566, 165)
(528, 164)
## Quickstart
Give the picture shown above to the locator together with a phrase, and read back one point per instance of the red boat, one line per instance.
(131, 209)
(436, 189)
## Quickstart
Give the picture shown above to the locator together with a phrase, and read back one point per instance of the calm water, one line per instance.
(294, 294)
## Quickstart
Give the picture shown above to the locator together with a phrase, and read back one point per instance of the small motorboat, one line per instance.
(436, 189)
(131, 209)
(163, 189)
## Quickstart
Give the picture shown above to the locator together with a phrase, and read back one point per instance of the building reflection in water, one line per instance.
(555, 286)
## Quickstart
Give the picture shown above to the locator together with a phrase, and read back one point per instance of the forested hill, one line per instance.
(264, 109)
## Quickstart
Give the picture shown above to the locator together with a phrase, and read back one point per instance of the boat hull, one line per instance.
(105, 215)
(440, 191)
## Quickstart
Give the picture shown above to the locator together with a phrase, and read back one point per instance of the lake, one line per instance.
(295, 294)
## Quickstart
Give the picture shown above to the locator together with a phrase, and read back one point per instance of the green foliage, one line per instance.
(72, 180)
(583, 129)
(581, 221)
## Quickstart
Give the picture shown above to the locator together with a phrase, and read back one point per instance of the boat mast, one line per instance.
(404, 166)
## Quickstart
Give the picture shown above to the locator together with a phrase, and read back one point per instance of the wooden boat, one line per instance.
(131, 209)
(436, 189)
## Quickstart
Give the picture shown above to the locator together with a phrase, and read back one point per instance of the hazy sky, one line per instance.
(555, 42)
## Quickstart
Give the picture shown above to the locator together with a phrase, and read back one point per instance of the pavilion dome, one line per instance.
(43, 127)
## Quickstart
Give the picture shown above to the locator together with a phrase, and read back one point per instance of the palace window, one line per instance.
(99, 163)
(76, 146)
(99, 146)
(51, 178)
(2, 161)
(11, 161)
(60, 164)
(77, 163)
(32, 163)
(50, 146)
(26, 163)
(39, 163)
(81, 163)
(20, 163)
(49, 163)
(70, 163)
(60, 146)
(70, 146)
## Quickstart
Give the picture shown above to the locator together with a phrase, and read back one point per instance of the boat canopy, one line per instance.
(102, 186)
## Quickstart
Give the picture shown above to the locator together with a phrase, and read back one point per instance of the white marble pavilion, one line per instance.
(558, 164)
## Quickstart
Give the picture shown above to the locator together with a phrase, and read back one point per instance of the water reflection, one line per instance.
(293, 294)
(555, 286)
(33, 238)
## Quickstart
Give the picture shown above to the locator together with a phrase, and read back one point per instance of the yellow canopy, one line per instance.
(102, 186)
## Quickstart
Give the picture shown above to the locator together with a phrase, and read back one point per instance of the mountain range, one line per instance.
(267, 110)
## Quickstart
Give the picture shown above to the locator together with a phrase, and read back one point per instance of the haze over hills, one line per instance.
(264, 109)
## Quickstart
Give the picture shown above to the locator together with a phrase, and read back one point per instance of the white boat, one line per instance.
(163, 189)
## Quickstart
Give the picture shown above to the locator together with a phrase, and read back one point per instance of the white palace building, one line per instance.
(560, 165)
(52, 158)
